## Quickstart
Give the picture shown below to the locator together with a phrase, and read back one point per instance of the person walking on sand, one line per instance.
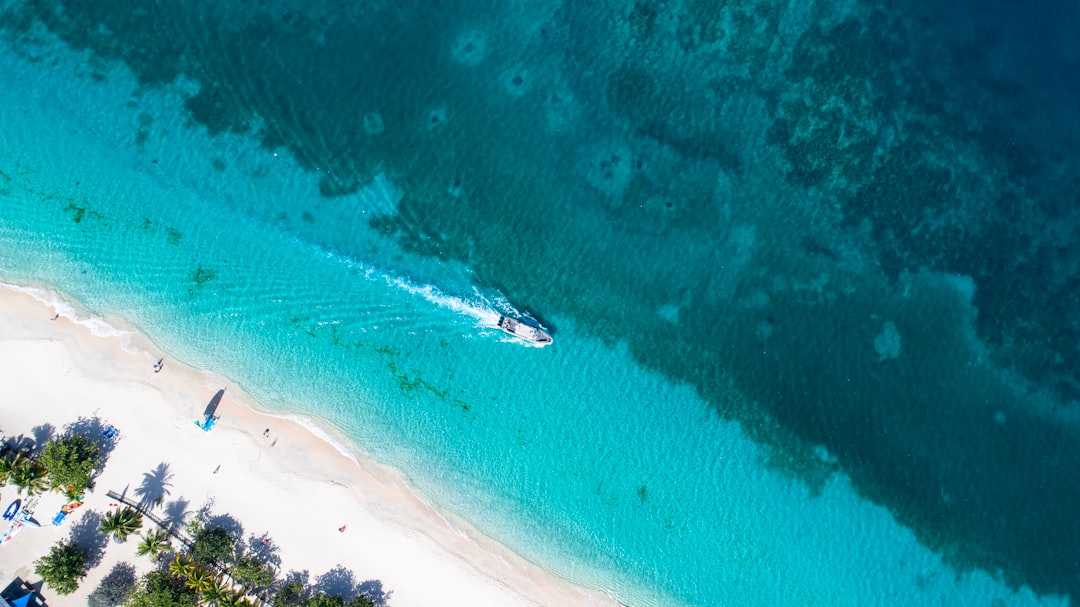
(341, 529)
(55, 317)
(159, 365)
(266, 433)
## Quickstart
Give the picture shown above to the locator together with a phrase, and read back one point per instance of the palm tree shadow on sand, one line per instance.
(42, 434)
(176, 514)
(155, 487)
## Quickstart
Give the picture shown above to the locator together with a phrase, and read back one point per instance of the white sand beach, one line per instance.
(298, 491)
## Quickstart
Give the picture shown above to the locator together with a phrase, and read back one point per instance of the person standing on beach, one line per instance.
(266, 433)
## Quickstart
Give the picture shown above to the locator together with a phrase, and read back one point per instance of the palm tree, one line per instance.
(8, 463)
(121, 523)
(181, 566)
(216, 592)
(29, 476)
(153, 543)
(200, 580)
(233, 598)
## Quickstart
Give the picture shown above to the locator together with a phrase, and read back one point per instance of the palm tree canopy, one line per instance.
(121, 523)
(28, 476)
(153, 543)
(181, 566)
(8, 464)
(215, 592)
(200, 580)
(234, 599)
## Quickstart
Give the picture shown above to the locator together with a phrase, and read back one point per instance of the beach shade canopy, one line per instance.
(22, 601)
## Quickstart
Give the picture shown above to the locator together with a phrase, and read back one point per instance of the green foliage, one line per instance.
(153, 543)
(216, 593)
(295, 594)
(63, 568)
(361, 601)
(27, 475)
(7, 466)
(251, 573)
(10, 463)
(121, 523)
(200, 580)
(73, 493)
(160, 589)
(321, 599)
(70, 460)
(213, 545)
(181, 566)
(234, 599)
(290, 595)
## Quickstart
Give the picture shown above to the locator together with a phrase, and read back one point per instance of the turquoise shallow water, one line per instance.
(744, 404)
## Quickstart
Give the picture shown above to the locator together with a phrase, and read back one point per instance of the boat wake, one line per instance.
(480, 308)
(487, 311)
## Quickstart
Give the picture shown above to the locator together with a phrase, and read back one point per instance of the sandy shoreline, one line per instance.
(298, 491)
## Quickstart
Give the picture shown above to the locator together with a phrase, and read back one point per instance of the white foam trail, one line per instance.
(487, 315)
(485, 310)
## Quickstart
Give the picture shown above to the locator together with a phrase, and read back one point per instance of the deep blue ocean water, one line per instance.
(811, 270)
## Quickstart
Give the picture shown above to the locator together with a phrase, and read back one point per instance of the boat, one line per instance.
(12, 510)
(522, 330)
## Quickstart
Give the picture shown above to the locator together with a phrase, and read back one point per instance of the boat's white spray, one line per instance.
(484, 309)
